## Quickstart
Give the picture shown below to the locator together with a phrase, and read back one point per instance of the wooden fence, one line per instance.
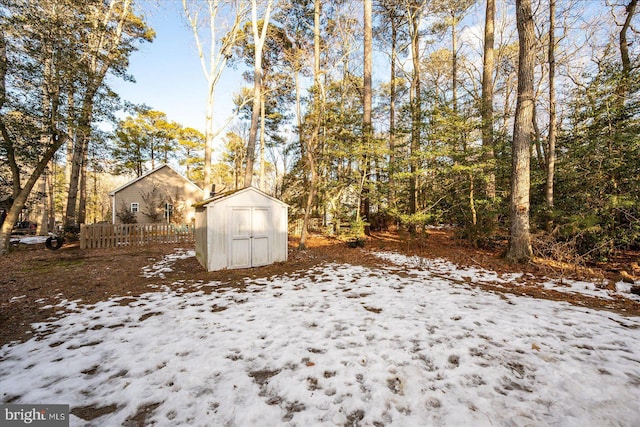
(295, 227)
(113, 235)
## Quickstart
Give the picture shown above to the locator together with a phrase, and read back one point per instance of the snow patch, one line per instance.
(340, 345)
(434, 267)
(165, 265)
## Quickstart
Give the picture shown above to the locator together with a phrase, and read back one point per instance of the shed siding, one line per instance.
(281, 238)
(218, 236)
(266, 216)
(201, 236)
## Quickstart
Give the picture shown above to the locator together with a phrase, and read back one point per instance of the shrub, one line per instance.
(125, 215)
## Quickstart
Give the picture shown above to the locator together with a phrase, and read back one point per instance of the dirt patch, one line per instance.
(89, 413)
(35, 281)
(140, 417)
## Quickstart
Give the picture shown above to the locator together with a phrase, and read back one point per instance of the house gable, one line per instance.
(160, 195)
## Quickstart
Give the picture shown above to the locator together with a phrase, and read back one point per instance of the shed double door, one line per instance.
(249, 237)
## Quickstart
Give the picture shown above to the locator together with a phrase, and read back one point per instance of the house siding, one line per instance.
(170, 186)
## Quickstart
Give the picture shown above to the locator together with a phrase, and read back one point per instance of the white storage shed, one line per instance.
(241, 229)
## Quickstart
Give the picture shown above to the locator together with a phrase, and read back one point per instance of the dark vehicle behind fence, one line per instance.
(24, 227)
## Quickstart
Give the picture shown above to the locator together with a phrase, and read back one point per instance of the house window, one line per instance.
(135, 207)
(168, 211)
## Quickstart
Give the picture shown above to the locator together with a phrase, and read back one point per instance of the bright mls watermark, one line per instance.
(34, 415)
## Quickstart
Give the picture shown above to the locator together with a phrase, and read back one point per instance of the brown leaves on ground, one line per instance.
(33, 277)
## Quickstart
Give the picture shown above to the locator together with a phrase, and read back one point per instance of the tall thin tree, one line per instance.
(519, 233)
(551, 145)
(414, 11)
(259, 37)
(312, 141)
(393, 15)
(367, 127)
(487, 97)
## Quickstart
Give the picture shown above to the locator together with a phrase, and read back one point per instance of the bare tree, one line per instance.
(222, 37)
(630, 10)
(259, 37)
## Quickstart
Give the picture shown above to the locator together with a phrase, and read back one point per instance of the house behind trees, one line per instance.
(160, 196)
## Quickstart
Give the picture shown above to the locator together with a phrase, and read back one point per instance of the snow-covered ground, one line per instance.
(29, 240)
(336, 345)
(437, 267)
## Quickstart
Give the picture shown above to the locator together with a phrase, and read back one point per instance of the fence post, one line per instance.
(82, 235)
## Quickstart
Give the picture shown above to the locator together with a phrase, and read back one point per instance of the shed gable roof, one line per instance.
(145, 175)
(232, 193)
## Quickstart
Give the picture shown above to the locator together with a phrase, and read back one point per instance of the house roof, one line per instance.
(122, 187)
(231, 193)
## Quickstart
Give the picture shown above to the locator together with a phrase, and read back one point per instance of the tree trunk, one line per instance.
(82, 140)
(299, 111)
(71, 131)
(255, 118)
(102, 48)
(51, 189)
(16, 187)
(392, 115)
(537, 139)
(208, 135)
(82, 201)
(367, 106)
(43, 208)
(454, 63)
(519, 237)
(551, 147)
(20, 193)
(624, 44)
(263, 184)
(487, 98)
(416, 115)
(317, 10)
(310, 196)
(623, 87)
(472, 202)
